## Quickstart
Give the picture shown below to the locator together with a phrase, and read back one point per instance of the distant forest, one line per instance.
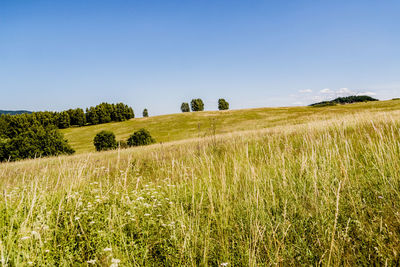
(345, 100)
(36, 134)
(14, 112)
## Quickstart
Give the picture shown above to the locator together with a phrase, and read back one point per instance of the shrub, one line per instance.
(185, 107)
(197, 104)
(145, 113)
(140, 138)
(105, 140)
(223, 104)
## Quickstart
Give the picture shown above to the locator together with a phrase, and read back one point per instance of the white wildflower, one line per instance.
(224, 264)
(147, 214)
(92, 262)
(107, 249)
(34, 233)
(114, 262)
(25, 237)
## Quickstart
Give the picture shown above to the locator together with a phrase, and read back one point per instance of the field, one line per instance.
(183, 126)
(260, 187)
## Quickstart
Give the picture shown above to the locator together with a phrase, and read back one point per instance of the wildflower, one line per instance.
(114, 262)
(91, 261)
(224, 264)
(107, 249)
(77, 218)
(92, 222)
(47, 251)
(380, 197)
(25, 237)
(34, 233)
(30, 262)
(140, 198)
(147, 214)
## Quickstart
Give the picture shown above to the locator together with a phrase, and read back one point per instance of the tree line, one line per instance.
(36, 134)
(345, 100)
(198, 105)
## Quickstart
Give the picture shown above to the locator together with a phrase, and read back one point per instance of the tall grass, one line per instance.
(320, 193)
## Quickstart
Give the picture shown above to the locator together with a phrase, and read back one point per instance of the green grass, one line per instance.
(297, 192)
(182, 126)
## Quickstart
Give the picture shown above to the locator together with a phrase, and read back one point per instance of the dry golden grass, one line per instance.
(318, 192)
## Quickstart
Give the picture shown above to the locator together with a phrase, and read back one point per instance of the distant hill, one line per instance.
(345, 100)
(14, 112)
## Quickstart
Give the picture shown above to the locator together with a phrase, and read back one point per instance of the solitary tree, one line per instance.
(223, 104)
(105, 140)
(197, 104)
(145, 113)
(185, 107)
(140, 138)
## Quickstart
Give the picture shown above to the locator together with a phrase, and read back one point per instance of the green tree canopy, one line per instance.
(223, 104)
(185, 107)
(105, 140)
(140, 138)
(197, 104)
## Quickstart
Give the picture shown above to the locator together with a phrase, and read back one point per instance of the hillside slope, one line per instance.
(325, 192)
(181, 126)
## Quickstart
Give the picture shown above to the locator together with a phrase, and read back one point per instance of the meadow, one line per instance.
(183, 126)
(261, 187)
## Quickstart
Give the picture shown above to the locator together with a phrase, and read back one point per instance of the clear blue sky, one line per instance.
(59, 54)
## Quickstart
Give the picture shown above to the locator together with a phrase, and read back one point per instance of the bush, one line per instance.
(222, 104)
(197, 104)
(185, 107)
(140, 138)
(145, 113)
(105, 140)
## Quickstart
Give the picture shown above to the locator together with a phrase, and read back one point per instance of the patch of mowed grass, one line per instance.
(182, 126)
(321, 193)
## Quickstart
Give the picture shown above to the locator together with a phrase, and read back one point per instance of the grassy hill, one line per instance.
(293, 186)
(182, 126)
